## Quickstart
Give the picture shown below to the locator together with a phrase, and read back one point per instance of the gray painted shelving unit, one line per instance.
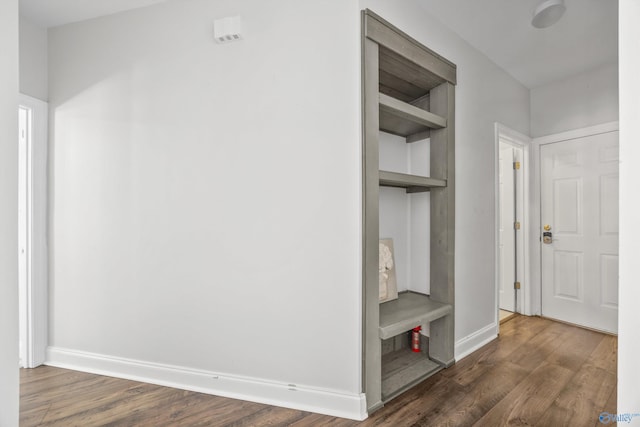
(408, 90)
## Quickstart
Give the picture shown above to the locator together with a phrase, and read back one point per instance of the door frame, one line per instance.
(33, 293)
(522, 141)
(536, 211)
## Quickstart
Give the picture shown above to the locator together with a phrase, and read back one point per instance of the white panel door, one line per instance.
(579, 195)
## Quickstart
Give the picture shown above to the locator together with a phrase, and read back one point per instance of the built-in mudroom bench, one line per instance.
(408, 201)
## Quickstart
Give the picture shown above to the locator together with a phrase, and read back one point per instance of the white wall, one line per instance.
(405, 218)
(629, 292)
(206, 205)
(9, 384)
(484, 94)
(33, 60)
(586, 99)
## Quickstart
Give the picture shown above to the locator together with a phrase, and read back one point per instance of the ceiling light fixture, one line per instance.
(547, 13)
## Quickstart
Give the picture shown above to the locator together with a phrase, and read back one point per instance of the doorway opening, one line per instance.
(511, 221)
(32, 231)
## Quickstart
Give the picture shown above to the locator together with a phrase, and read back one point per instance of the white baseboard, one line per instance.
(326, 402)
(473, 342)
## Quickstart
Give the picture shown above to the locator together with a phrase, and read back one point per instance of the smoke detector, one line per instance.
(547, 13)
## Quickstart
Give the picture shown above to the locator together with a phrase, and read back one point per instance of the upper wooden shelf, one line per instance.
(400, 118)
(411, 309)
(413, 183)
(405, 57)
(403, 79)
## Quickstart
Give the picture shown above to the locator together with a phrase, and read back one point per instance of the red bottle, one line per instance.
(415, 339)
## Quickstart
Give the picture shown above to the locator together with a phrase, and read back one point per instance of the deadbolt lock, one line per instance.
(547, 237)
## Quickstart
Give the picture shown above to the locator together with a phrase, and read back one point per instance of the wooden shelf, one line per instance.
(400, 118)
(413, 183)
(414, 55)
(408, 90)
(404, 79)
(402, 369)
(411, 309)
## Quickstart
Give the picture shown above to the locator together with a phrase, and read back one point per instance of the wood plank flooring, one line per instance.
(538, 372)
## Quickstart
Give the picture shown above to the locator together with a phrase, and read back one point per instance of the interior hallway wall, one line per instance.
(587, 99)
(629, 292)
(33, 60)
(9, 374)
(206, 197)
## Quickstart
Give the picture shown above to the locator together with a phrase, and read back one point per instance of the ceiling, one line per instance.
(585, 38)
(52, 13)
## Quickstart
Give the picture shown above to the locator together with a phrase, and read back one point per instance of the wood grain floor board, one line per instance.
(582, 399)
(184, 405)
(112, 407)
(32, 376)
(612, 404)
(82, 399)
(422, 402)
(536, 350)
(57, 382)
(224, 412)
(277, 418)
(137, 410)
(538, 372)
(528, 401)
(576, 347)
(317, 420)
(478, 397)
(88, 389)
(605, 356)
(168, 408)
(520, 331)
(34, 416)
(469, 369)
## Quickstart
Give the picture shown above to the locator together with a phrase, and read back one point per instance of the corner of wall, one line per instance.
(9, 374)
(33, 45)
(467, 345)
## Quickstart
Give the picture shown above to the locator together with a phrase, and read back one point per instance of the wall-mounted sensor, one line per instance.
(227, 29)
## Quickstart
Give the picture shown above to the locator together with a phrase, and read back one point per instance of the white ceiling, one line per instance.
(585, 37)
(52, 13)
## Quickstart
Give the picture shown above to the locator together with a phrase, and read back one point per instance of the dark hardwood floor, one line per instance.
(538, 372)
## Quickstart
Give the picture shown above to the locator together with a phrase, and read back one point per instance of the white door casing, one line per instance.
(519, 144)
(510, 239)
(506, 237)
(579, 201)
(24, 231)
(520, 219)
(32, 242)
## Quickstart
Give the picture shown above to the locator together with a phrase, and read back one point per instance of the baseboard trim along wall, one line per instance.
(473, 342)
(292, 396)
